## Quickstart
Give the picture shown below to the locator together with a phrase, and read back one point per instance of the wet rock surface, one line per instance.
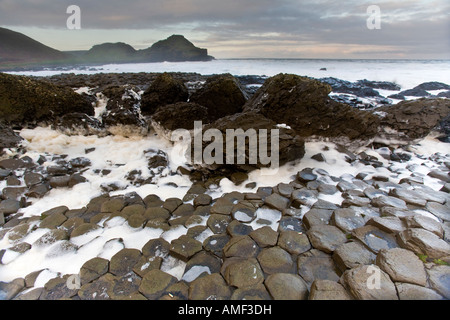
(24, 100)
(335, 241)
(333, 259)
(316, 236)
(274, 264)
(304, 104)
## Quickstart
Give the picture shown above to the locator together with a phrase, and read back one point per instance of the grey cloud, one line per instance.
(408, 23)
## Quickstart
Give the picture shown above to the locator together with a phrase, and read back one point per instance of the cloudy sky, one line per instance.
(244, 28)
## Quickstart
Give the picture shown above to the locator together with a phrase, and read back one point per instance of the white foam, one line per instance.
(195, 272)
(173, 266)
(270, 218)
(117, 153)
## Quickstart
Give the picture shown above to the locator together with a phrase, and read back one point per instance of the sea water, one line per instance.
(406, 73)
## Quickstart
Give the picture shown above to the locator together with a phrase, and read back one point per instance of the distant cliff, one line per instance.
(20, 51)
(110, 53)
(17, 49)
(175, 48)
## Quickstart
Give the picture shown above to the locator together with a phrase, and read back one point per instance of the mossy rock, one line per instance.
(25, 100)
(303, 104)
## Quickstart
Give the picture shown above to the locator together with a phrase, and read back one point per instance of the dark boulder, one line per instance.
(359, 89)
(415, 92)
(433, 86)
(222, 95)
(413, 119)
(128, 121)
(303, 103)
(384, 85)
(444, 94)
(397, 96)
(8, 138)
(444, 129)
(291, 147)
(24, 100)
(164, 90)
(181, 115)
(78, 124)
(122, 97)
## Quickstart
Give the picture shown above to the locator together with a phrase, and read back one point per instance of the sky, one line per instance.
(410, 29)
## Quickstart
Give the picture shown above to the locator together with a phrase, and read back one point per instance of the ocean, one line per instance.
(406, 73)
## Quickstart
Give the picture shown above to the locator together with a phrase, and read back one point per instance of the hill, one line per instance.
(175, 48)
(16, 49)
(110, 53)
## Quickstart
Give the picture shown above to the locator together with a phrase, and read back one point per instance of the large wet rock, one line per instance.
(277, 202)
(185, 247)
(390, 224)
(286, 286)
(439, 279)
(243, 272)
(316, 264)
(9, 290)
(409, 120)
(325, 237)
(181, 115)
(164, 90)
(402, 266)
(276, 260)
(124, 261)
(57, 288)
(153, 286)
(23, 100)
(241, 246)
(222, 95)
(125, 122)
(256, 126)
(419, 221)
(304, 104)
(210, 287)
(407, 291)
(347, 219)
(368, 282)
(119, 97)
(352, 254)
(375, 239)
(98, 289)
(93, 269)
(8, 138)
(421, 241)
(294, 242)
(359, 88)
(440, 211)
(265, 236)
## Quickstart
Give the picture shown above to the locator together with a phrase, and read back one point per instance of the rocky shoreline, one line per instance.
(318, 236)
